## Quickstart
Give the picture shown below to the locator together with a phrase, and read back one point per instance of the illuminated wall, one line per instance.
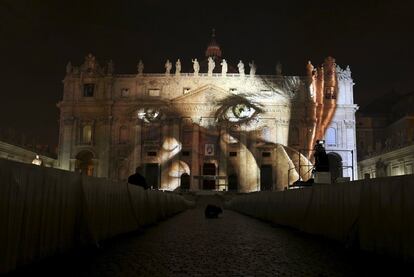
(241, 132)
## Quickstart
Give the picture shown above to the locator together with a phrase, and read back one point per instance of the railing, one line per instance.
(309, 167)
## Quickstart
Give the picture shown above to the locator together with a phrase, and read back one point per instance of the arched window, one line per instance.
(335, 165)
(87, 134)
(84, 163)
(123, 135)
(330, 137)
(185, 182)
(233, 182)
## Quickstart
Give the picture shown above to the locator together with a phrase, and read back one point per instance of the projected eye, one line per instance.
(149, 115)
(238, 112)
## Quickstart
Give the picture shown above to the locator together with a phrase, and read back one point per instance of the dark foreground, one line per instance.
(232, 245)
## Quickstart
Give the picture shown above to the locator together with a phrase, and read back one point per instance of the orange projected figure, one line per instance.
(323, 87)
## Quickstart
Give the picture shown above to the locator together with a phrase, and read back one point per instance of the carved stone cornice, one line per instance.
(282, 122)
(106, 120)
(69, 120)
(349, 124)
(343, 74)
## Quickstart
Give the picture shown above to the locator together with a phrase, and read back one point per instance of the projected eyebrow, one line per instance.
(237, 109)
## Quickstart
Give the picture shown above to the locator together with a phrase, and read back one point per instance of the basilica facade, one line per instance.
(208, 129)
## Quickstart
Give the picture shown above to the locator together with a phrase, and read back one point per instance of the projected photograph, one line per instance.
(218, 127)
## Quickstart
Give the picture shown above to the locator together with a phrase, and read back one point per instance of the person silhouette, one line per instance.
(321, 158)
(137, 179)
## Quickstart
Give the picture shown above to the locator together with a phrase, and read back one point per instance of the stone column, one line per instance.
(195, 157)
(67, 136)
(223, 183)
(242, 170)
(176, 135)
(72, 164)
(102, 137)
(137, 147)
(282, 131)
(164, 165)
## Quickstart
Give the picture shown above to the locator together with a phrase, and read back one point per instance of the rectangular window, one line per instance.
(125, 92)
(88, 90)
(154, 92)
(186, 153)
(187, 138)
(86, 134)
(409, 169)
(266, 154)
(152, 153)
(233, 154)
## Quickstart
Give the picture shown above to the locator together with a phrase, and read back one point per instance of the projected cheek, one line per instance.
(170, 148)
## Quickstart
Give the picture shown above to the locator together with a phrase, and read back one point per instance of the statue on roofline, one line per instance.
(196, 67)
(178, 68)
(240, 65)
(140, 67)
(211, 66)
(168, 66)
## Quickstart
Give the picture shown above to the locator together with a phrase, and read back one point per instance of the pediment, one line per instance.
(202, 95)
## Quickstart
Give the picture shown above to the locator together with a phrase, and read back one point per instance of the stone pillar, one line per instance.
(102, 139)
(95, 163)
(257, 155)
(195, 157)
(223, 183)
(164, 165)
(176, 135)
(72, 164)
(282, 131)
(137, 147)
(67, 125)
(242, 163)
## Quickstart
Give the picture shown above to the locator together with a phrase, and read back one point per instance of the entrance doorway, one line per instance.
(209, 183)
(335, 166)
(266, 177)
(233, 182)
(185, 182)
(152, 174)
(84, 163)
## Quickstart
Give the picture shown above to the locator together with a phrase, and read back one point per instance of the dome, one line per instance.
(213, 48)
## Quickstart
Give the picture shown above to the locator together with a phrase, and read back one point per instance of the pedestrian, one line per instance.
(138, 179)
(321, 158)
(212, 211)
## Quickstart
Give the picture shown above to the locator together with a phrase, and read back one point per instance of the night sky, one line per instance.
(38, 38)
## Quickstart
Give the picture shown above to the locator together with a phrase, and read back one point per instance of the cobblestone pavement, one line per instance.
(232, 245)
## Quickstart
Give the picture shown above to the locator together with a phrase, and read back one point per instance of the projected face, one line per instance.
(229, 123)
(243, 135)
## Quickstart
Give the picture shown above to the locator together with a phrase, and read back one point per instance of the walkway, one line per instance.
(233, 245)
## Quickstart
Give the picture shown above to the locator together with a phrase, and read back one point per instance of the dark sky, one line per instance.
(39, 37)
